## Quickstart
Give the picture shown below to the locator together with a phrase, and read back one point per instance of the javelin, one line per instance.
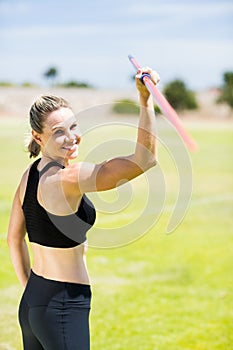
(165, 107)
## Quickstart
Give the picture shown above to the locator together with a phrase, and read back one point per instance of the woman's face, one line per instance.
(61, 135)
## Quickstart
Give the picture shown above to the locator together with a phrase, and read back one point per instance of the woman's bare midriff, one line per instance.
(61, 264)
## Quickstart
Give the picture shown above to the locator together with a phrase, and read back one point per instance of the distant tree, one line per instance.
(51, 74)
(226, 95)
(28, 84)
(179, 96)
(75, 84)
(6, 84)
(128, 106)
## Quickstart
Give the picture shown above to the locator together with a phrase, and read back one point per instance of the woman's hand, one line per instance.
(144, 93)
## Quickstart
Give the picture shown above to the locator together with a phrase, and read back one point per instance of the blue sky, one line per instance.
(90, 40)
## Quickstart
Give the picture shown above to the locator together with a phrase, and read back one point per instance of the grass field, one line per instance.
(162, 292)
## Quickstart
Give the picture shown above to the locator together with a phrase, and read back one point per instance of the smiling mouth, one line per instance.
(70, 148)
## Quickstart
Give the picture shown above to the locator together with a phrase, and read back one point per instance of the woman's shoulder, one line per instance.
(56, 178)
(80, 177)
(75, 178)
(69, 177)
(58, 190)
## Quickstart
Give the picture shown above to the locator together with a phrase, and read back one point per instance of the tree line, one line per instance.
(52, 73)
(176, 91)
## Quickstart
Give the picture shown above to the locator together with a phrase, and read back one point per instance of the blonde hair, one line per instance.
(39, 111)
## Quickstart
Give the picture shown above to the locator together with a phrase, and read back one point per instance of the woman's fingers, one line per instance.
(147, 70)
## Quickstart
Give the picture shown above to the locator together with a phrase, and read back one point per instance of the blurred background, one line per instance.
(89, 41)
(161, 292)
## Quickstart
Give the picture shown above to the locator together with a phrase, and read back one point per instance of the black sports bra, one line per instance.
(53, 230)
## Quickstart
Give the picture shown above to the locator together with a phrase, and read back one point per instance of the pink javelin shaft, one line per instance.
(165, 107)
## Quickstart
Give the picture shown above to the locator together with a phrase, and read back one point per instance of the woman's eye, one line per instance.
(74, 126)
(58, 132)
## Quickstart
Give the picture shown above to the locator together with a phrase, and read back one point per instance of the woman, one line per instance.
(51, 206)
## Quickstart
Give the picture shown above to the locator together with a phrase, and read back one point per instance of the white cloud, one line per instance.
(163, 34)
(51, 30)
(17, 7)
(174, 8)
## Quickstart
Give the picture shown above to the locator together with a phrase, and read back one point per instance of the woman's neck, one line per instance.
(45, 159)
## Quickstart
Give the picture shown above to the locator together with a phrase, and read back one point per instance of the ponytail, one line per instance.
(33, 148)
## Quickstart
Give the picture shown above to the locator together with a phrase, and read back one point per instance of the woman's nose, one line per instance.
(70, 137)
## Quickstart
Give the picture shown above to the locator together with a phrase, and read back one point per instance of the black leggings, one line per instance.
(54, 315)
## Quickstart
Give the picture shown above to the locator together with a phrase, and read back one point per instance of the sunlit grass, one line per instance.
(162, 292)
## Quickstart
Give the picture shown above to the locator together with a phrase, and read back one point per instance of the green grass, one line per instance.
(162, 292)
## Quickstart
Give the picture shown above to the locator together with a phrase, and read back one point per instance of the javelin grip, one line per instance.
(143, 76)
(165, 107)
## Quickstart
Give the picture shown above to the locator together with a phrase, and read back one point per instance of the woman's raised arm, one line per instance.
(112, 173)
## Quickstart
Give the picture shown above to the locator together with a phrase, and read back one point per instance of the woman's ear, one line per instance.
(37, 137)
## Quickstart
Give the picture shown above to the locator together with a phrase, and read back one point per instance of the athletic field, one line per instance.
(161, 292)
